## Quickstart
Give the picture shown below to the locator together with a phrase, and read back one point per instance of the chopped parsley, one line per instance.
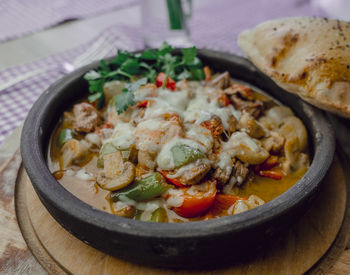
(130, 67)
(126, 98)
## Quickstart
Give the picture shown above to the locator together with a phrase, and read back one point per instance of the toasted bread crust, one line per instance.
(308, 56)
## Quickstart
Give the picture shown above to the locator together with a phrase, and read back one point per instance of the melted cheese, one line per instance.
(152, 132)
(204, 105)
(200, 134)
(175, 197)
(167, 102)
(233, 147)
(84, 175)
(123, 136)
(149, 134)
(165, 159)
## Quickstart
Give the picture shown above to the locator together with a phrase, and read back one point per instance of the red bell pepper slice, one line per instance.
(142, 103)
(221, 203)
(197, 204)
(174, 181)
(170, 83)
(272, 174)
(269, 163)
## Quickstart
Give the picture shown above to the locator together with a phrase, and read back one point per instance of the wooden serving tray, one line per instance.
(314, 245)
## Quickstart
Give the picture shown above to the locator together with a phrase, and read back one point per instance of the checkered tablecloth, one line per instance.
(214, 26)
(21, 17)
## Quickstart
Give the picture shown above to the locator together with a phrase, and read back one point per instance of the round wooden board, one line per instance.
(316, 238)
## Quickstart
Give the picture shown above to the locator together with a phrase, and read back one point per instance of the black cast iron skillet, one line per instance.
(192, 244)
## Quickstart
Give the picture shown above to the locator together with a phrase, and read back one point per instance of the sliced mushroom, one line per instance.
(273, 143)
(116, 173)
(254, 201)
(294, 159)
(247, 149)
(296, 141)
(251, 126)
(293, 127)
(73, 152)
(274, 116)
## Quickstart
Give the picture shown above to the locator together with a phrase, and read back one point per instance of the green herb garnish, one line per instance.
(126, 98)
(148, 64)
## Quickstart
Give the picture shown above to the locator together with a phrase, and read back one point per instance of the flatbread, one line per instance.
(308, 56)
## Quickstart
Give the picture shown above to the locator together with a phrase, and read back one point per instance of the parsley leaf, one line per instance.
(92, 75)
(96, 85)
(149, 55)
(121, 57)
(189, 55)
(126, 98)
(99, 98)
(184, 75)
(148, 64)
(123, 101)
(104, 67)
(133, 86)
(130, 66)
(164, 49)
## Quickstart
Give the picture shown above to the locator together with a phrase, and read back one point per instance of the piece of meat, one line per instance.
(194, 174)
(245, 91)
(105, 131)
(254, 108)
(222, 175)
(251, 126)
(240, 172)
(86, 117)
(214, 125)
(222, 81)
(242, 99)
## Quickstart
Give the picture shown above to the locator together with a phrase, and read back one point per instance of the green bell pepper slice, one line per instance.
(138, 214)
(144, 189)
(65, 135)
(159, 215)
(184, 154)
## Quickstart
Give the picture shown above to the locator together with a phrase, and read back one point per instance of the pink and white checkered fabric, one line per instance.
(18, 17)
(214, 26)
(16, 101)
